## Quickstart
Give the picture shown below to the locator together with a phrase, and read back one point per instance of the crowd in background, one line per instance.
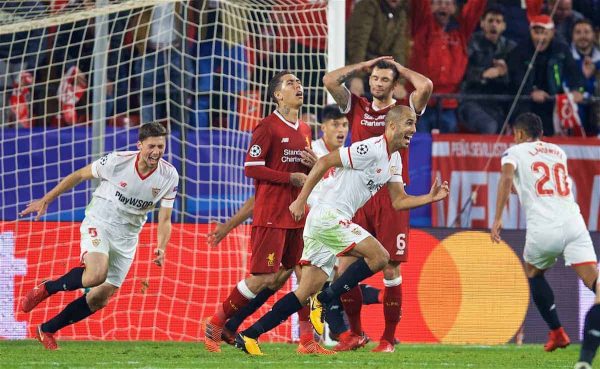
(476, 52)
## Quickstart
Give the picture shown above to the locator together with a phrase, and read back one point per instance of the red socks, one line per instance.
(392, 308)
(353, 301)
(306, 329)
(232, 304)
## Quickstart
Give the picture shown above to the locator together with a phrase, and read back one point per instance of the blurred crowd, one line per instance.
(163, 62)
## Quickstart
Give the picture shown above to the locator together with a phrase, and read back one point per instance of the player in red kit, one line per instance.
(279, 158)
(377, 216)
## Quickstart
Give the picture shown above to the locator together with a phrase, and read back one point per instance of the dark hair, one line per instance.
(382, 64)
(153, 129)
(494, 9)
(274, 84)
(331, 112)
(583, 21)
(530, 123)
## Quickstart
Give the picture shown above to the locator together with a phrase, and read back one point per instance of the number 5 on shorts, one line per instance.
(400, 243)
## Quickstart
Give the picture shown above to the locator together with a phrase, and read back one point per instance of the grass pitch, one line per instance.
(97, 354)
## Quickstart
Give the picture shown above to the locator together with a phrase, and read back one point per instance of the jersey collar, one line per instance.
(325, 144)
(143, 177)
(385, 107)
(287, 122)
(387, 149)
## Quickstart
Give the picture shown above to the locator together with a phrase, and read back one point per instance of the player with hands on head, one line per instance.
(378, 217)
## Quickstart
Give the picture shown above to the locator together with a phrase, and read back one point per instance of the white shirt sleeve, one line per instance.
(509, 157)
(169, 199)
(396, 168)
(360, 155)
(103, 167)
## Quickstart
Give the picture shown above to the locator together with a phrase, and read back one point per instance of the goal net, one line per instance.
(77, 78)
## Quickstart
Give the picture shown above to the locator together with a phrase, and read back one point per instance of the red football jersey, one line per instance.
(277, 144)
(366, 122)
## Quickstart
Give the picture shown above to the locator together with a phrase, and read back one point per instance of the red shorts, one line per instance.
(388, 225)
(274, 246)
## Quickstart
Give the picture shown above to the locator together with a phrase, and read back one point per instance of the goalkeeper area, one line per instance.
(189, 355)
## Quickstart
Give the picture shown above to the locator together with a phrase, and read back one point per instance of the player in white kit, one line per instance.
(538, 171)
(359, 171)
(132, 183)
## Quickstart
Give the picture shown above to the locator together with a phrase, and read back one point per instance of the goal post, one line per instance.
(77, 78)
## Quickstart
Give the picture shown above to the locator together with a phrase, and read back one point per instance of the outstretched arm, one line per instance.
(334, 80)
(222, 229)
(40, 206)
(504, 189)
(403, 201)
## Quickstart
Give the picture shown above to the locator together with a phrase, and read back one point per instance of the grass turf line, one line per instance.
(136, 354)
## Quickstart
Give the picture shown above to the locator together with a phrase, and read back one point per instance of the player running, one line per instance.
(132, 182)
(278, 159)
(555, 226)
(357, 173)
(378, 217)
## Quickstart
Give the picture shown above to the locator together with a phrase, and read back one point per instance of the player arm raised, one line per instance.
(334, 80)
(324, 163)
(423, 87)
(222, 229)
(40, 206)
(403, 201)
(504, 189)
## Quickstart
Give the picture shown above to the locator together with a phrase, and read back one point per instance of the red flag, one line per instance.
(566, 117)
(20, 99)
(71, 89)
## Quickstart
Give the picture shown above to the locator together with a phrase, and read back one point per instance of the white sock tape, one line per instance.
(244, 290)
(392, 282)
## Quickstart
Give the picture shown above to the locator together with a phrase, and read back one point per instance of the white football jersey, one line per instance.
(320, 149)
(542, 182)
(124, 196)
(366, 167)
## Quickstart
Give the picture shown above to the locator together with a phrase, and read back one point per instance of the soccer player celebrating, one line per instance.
(335, 130)
(357, 173)
(555, 226)
(389, 226)
(278, 159)
(132, 182)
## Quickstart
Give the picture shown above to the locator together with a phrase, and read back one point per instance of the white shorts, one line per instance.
(543, 244)
(95, 237)
(327, 235)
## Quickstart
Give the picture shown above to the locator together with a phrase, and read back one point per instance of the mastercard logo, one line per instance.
(462, 289)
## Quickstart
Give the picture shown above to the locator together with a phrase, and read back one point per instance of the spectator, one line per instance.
(516, 13)
(587, 57)
(553, 68)
(440, 52)
(564, 18)
(487, 73)
(376, 28)
(159, 39)
(19, 52)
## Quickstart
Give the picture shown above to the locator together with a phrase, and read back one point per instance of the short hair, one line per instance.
(494, 9)
(530, 123)
(274, 84)
(584, 21)
(153, 129)
(331, 112)
(398, 112)
(382, 64)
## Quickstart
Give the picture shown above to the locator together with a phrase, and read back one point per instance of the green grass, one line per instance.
(97, 354)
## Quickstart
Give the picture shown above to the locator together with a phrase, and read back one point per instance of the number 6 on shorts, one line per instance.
(400, 243)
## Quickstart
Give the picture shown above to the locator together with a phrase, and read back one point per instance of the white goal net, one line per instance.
(77, 78)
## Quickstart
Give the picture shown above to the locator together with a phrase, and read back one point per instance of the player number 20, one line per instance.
(400, 243)
(559, 172)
